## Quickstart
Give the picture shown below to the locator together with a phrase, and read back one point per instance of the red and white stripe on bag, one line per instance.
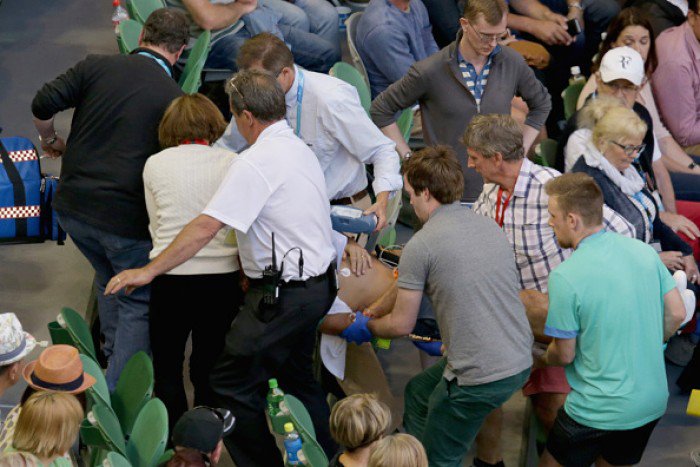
(22, 156)
(19, 212)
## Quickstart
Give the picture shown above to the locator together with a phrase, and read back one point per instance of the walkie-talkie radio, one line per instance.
(271, 279)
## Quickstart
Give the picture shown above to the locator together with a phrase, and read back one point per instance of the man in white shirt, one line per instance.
(326, 113)
(275, 186)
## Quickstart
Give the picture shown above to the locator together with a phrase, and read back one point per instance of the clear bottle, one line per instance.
(120, 14)
(292, 445)
(576, 76)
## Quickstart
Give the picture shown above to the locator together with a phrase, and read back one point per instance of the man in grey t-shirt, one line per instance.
(466, 266)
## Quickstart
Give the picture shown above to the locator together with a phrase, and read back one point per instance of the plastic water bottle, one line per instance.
(576, 76)
(275, 407)
(118, 16)
(292, 445)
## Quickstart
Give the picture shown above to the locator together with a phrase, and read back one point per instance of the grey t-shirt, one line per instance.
(466, 266)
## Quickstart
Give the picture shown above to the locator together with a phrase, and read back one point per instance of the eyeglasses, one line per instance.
(624, 87)
(630, 149)
(489, 38)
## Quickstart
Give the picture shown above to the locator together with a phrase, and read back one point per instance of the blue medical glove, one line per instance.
(357, 332)
(431, 348)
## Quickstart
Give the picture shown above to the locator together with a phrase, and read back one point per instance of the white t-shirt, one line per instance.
(277, 186)
(178, 184)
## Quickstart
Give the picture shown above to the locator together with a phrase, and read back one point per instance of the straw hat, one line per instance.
(58, 368)
(15, 344)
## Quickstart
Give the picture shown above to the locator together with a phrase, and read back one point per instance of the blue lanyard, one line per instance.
(159, 61)
(300, 95)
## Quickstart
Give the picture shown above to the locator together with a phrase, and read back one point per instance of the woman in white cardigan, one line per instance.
(201, 296)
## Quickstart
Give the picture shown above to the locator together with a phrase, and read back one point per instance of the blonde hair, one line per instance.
(48, 424)
(399, 450)
(589, 115)
(619, 123)
(359, 420)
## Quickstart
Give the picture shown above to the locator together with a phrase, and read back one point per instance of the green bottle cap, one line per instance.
(288, 427)
(272, 383)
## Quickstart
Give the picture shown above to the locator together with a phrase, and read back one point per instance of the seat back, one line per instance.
(128, 38)
(570, 97)
(99, 392)
(547, 150)
(133, 391)
(140, 9)
(301, 419)
(79, 331)
(299, 416)
(59, 334)
(350, 75)
(405, 123)
(149, 436)
(191, 78)
(351, 32)
(101, 430)
(114, 459)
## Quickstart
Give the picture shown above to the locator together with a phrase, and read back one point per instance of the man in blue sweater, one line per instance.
(391, 36)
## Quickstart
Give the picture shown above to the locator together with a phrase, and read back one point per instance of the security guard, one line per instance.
(274, 187)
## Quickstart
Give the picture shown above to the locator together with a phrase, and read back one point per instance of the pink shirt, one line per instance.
(676, 83)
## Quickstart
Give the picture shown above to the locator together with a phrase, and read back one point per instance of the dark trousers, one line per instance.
(202, 305)
(686, 186)
(279, 345)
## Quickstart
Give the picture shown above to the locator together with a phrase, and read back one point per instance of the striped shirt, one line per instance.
(526, 226)
(476, 82)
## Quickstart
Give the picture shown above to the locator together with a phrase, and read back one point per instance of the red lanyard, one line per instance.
(501, 213)
(195, 141)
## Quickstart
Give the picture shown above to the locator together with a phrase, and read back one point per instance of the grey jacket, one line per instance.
(447, 105)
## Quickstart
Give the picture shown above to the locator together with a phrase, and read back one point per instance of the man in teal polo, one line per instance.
(612, 305)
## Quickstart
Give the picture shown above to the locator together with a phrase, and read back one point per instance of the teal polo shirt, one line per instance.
(609, 295)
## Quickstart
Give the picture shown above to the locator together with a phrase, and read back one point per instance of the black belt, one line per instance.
(298, 284)
(350, 199)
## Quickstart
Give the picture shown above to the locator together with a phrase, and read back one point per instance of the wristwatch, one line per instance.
(692, 165)
(407, 155)
(575, 5)
(50, 140)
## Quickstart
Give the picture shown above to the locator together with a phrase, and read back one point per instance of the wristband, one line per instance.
(575, 5)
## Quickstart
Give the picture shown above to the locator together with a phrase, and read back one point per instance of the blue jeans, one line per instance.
(310, 51)
(686, 186)
(318, 17)
(123, 318)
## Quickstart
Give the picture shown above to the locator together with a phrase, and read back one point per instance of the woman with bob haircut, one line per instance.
(46, 429)
(615, 143)
(179, 181)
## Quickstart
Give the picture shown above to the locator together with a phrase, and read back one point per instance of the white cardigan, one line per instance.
(178, 183)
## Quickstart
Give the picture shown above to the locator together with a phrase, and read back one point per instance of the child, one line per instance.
(400, 450)
(356, 423)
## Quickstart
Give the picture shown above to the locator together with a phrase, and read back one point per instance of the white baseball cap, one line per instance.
(15, 344)
(622, 63)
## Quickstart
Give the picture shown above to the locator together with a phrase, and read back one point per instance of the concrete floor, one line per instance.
(38, 41)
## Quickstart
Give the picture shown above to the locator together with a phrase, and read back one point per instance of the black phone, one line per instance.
(573, 27)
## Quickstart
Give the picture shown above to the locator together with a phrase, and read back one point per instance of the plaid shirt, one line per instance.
(537, 251)
(476, 82)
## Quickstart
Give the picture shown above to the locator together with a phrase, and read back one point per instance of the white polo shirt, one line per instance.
(338, 130)
(277, 186)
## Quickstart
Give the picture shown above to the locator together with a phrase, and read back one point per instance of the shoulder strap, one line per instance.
(17, 188)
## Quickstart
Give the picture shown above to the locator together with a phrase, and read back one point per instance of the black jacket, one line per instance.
(119, 101)
(620, 202)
